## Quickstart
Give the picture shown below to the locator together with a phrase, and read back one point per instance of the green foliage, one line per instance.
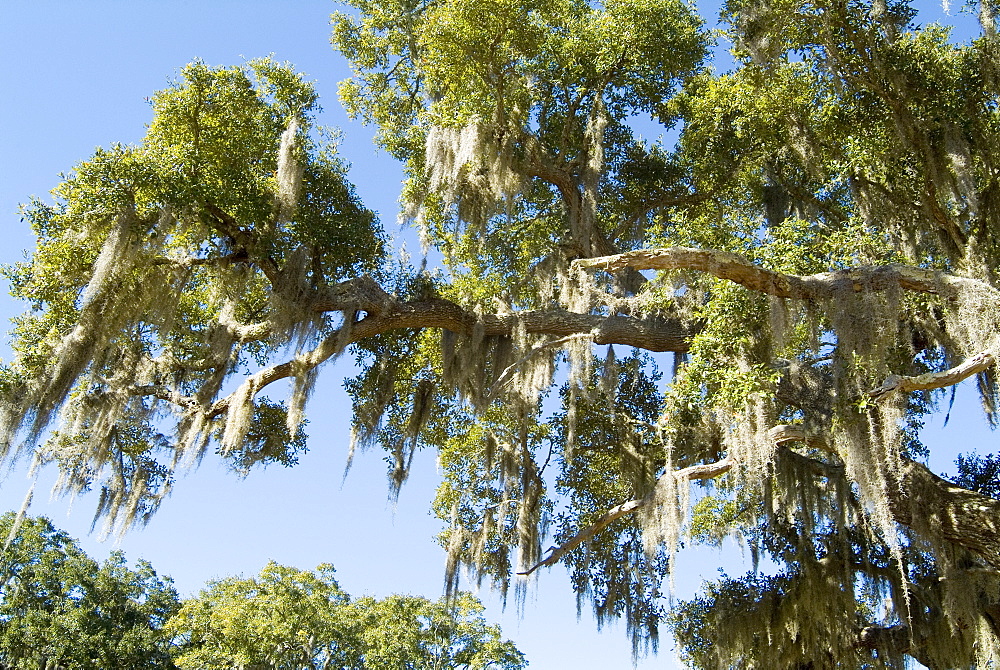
(60, 608)
(475, 97)
(845, 144)
(192, 256)
(284, 618)
(268, 440)
(287, 618)
(413, 632)
(979, 473)
(844, 138)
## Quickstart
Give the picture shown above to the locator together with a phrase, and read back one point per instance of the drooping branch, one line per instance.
(328, 347)
(738, 269)
(781, 435)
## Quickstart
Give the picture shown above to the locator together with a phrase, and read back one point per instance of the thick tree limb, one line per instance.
(738, 269)
(931, 505)
(783, 434)
(385, 313)
(896, 639)
(935, 380)
(925, 501)
(436, 313)
(360, 293)
(240, 256)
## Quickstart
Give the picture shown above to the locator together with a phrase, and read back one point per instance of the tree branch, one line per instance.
(935, 380)
(328, 347)
(436, 313)
(934, 505)
(694, 472)
(930, 504)
(963, 517)
(239, 256)
(783, 434)
(898, 639)
(738, 269)
(165, 394)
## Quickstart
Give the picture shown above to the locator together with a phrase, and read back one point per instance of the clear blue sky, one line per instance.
(75, 76)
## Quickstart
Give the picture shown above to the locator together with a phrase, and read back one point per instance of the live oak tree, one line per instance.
(288, 618)
(814, 242)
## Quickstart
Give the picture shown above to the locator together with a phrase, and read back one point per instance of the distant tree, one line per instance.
(414, 632)
(283, 618)
(61, 610)
(289, 619)
(979, 473)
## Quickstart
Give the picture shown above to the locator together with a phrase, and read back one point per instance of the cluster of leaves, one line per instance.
(518, 88)
(287, 618)
(61, 609)
(979, 473)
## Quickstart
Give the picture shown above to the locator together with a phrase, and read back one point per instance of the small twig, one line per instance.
(509, 371)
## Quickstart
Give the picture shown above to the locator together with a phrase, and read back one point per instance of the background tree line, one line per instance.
(62, 610)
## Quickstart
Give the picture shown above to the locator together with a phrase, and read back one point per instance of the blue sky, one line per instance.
(76, 76)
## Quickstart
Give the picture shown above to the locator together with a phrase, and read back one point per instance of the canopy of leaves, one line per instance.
(846, 139)
(61, 609)
(287, 618)
(162, 269)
